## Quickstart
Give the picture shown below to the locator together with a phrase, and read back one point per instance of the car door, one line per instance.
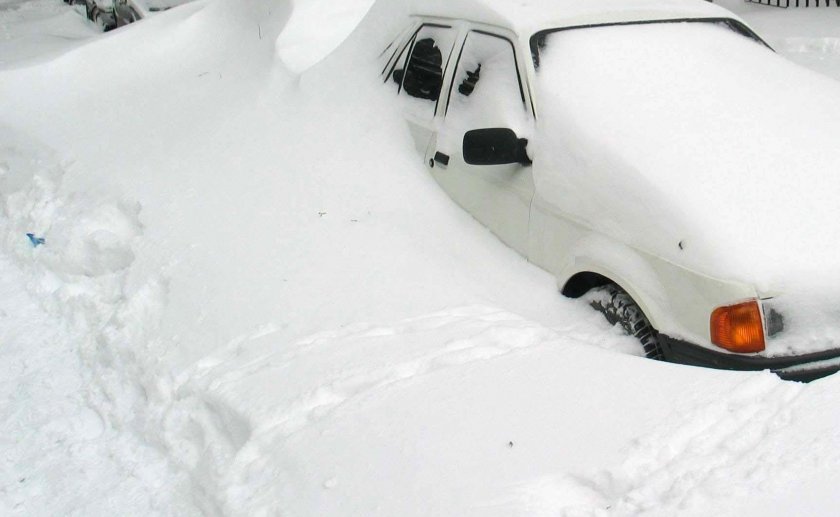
(487, 98)
(418, 75)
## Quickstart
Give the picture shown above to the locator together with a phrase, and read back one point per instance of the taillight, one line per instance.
(738, 328)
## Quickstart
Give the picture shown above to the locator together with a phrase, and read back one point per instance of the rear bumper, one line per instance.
(802, 368)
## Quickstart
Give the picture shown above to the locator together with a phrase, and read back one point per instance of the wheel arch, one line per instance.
(643, 287)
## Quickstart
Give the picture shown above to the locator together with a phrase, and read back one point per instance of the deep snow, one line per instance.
(252, 300)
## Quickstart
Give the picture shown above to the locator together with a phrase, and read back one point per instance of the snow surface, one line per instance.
(252, 300)
(316, 28)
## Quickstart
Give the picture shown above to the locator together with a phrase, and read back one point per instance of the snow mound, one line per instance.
(215, 237)
(316, 28)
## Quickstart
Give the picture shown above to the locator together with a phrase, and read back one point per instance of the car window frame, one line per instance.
(527, 102)
(409, 44)
(397, 46)
(409, 49)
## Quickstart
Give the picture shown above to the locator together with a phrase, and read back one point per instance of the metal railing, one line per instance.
(797, 3)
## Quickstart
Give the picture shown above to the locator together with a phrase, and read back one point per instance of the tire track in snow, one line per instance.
(492, 333)
(707, 448)
(311, 380)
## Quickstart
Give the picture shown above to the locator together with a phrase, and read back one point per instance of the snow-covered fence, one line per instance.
(798, 3)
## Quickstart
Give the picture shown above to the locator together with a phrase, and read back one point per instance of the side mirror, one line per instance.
(495, 146)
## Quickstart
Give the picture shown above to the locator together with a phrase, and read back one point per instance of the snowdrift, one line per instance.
(275, 297)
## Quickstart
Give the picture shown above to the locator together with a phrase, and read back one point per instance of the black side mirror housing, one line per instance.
(495, 146)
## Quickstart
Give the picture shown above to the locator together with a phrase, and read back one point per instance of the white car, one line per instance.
(130, 11)
(110, 14)
(655, 155)
(101, 12)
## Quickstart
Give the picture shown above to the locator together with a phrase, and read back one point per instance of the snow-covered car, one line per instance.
(110, 14)
(101, 12)
(130, 11)
(656, 156)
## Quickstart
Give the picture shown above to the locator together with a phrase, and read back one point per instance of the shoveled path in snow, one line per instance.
(58, 455)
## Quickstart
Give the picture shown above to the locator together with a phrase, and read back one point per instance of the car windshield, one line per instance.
(543, 40)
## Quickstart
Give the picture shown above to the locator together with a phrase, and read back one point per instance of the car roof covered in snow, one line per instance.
(528, 16)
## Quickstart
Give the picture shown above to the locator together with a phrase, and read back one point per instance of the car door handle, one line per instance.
(441, 158)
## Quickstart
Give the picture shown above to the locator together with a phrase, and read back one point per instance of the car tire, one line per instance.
(618, 307)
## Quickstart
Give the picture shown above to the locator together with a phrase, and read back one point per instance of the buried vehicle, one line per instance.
(655, 155)
(130, 11)
(110, 14)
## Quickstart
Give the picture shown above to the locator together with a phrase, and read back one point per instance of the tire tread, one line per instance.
(619, 308)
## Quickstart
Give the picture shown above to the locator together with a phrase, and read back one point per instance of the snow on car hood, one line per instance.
(697, 144)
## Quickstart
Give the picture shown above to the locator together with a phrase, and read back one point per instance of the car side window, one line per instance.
(420, 77)
(486, 90)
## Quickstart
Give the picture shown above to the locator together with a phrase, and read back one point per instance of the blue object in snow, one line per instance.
(36, 241)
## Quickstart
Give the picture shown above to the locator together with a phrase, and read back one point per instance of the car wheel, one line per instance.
(619, 308)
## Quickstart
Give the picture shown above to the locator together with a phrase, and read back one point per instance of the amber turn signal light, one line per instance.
(738, 328)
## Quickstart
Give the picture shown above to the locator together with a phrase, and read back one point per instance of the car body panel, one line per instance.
(500, 195)
(676, 300)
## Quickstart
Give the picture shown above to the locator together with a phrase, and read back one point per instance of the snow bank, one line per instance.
(316, 28)
(77, 394)
(475, 411)
(226, 209)
(273, 294)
